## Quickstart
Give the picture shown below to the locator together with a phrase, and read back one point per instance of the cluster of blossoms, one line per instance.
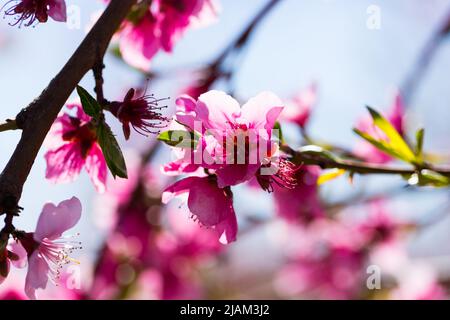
(230, 146)
(333, 258)
(151, 252)
(73, 140)
(150, 28)
(45, 250)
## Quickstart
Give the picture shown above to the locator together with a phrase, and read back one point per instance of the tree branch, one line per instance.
(355, 166)
(8, 125)
(37, 118)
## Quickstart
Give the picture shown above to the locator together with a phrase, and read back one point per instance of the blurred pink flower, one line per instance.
(47, 250)
(210, 205)
(72, 144)
(160, 26)
(395, 115)
(327, 260)
(302, 202)
(298, 109)
(28, 11)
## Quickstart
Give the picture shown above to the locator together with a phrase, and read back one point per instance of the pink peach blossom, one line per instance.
(47, 250)
(302, 202)
(209, 204)
(72, 144)
(221, 122)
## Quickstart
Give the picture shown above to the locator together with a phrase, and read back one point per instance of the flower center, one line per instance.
(84, 135)
(285, 177)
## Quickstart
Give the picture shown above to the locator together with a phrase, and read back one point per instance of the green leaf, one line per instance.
(111, 151)
(90, 105)
(396, 144)
(429, 178)
(379, 144)
(419, 144)
(179, 138)
(279, 135)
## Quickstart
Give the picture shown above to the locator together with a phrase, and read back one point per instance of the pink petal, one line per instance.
(57, 10)
(79, 112)
(139, 43)
(8, 266)
(177, 189)
(263, 110)
(96, 168)
(61, 125)
(228, 228)
(37, 275)
(186, 110)
(17, 248)
(207, 202)
(234, 174)
(64, 164)
(55, 220)
(217, 110)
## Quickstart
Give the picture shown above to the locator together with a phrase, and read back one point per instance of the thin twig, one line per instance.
(356, 166)
(8, 125)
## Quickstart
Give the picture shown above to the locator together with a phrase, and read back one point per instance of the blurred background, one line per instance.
(325, 42)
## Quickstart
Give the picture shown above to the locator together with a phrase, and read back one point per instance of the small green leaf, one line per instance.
(278, 132)
(395, 141)
(90, 105)
(111, 151)
(419, 144)
(179, 138)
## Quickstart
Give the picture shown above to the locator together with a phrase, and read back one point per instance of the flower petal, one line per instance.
(234, 174)
(21, 253)
(217, 110)
(96, 168)
(209, 203)
(178, 188)
(55, 220)
(57, 10)
(37, 275)
(139, 43)
(263, 110)
(64, 163)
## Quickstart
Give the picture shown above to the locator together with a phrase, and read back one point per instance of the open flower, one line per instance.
(235, 142)
(300, 203)
(72, 143)
(29, 11)
(210, 205)
(159, 26)
(47, 250)
(141, 113)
